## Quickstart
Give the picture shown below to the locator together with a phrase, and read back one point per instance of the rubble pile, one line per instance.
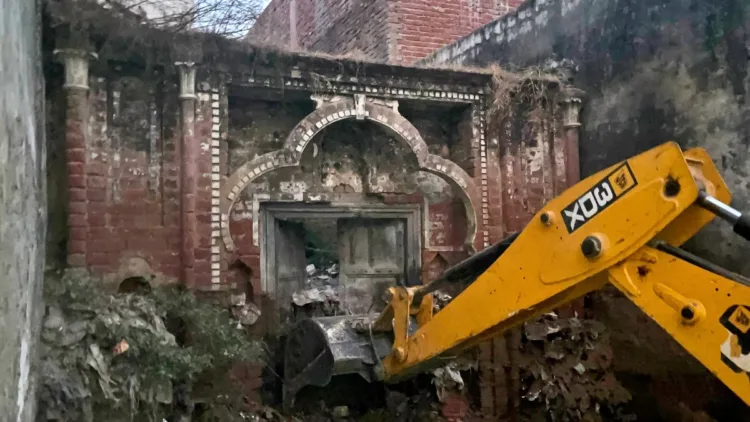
(119, 357)
(320, 297)
(246, 313)
(327, 276)
(566, 372)
(398, 406)
(447, 379)
(440, 300)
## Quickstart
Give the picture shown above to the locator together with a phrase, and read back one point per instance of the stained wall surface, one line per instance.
(22, 206)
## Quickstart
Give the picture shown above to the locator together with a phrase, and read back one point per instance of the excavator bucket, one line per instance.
(317, 349)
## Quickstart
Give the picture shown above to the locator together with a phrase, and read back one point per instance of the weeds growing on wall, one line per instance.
(529, 90)
(112, 357)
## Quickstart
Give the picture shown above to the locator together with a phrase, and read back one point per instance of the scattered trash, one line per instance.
(246, 313)
(315, 295)
(537, 331)
(340, 412)
(111, 357)
(446, 379)
(320, 277)
(321, 296)
(566, 371)
(120, 348)
(440, 300)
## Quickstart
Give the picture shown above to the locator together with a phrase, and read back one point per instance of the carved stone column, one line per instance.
(76, 86)
(571, 102)
(188, 156)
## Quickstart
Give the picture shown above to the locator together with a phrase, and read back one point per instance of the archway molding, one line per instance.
(333, 109)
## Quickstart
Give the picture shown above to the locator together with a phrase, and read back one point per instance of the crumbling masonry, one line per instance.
(193, 169)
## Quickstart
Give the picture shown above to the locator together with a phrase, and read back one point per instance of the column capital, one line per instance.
(76, 63)
(187, 80)
(571, 100)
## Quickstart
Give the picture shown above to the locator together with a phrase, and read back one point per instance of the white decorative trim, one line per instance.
(187, 80)
(76, 63)
(215, 187)
(257, 199)
(300, 137)
(479, 139)
(344, 88)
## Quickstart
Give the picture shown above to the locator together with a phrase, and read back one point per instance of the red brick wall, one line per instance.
(354, 27)
(125, 161)
(397, 31)
(123, 178)
(273, 25)
(423, 26)
(527, 167)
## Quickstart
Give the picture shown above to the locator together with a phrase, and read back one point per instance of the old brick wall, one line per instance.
(276, 25)
(396, 31)
(356, 27)
(528, 165)
(162, 184)
(124, 207)
(423, 26)
(351, 162)
(120, 196)
(639, 74)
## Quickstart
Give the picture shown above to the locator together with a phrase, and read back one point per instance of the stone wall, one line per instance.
(22, 206)
(653, 71)
(395, 31)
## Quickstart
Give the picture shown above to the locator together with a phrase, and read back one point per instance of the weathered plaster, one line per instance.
(22, 206)
(337, 109)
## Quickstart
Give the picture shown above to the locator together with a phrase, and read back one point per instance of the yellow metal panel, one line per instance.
(544, 267)
(687, 224)
(718, 338)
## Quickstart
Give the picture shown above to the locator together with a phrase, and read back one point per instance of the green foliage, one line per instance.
(86, 379)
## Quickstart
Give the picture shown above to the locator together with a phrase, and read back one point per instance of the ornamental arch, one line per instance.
(333, 109)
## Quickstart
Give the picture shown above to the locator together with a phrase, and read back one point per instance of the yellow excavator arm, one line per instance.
(623, 226)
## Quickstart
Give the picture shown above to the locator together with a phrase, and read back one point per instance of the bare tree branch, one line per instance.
(229, 18)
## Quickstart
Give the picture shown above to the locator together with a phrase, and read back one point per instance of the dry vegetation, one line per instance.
(228, 18)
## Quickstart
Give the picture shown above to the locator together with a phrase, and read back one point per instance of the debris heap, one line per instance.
(320, 297)
(125, 357)
(566, 372)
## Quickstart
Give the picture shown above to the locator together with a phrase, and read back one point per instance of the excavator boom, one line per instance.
(623, 226)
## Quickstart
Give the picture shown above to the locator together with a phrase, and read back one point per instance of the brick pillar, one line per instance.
(76, 63)
(188, 172)
(570, 103)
